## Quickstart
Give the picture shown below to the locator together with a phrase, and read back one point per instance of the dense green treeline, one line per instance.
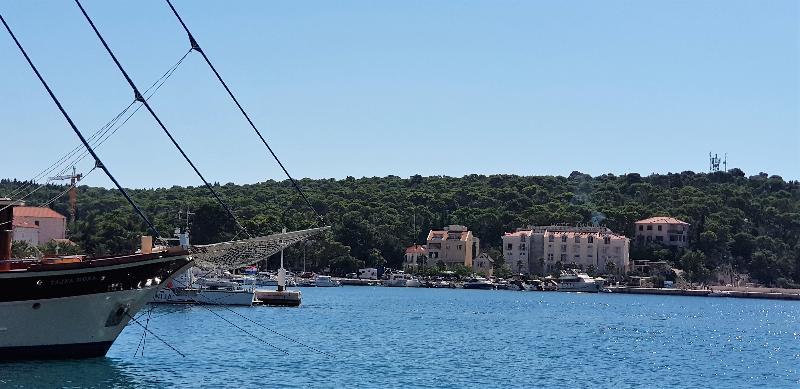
(745, 224)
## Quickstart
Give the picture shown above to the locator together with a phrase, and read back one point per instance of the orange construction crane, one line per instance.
(73, 192)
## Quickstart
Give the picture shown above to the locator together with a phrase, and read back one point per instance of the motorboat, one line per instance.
(185, 289)
(478, 283)
(402, 279)
(574, 281)
(325, 281)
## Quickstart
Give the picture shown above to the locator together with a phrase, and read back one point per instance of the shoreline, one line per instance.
(721, 292)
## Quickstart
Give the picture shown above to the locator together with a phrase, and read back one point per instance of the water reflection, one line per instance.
(86, 373)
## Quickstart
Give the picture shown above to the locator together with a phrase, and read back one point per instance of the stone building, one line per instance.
(454, 245)
(538, 249)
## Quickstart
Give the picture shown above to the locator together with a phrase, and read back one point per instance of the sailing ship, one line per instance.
(70, 307)
(73, 307)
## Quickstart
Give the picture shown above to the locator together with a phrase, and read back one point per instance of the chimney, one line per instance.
(6, 229)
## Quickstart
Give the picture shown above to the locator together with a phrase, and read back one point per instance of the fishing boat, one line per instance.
(75, 307)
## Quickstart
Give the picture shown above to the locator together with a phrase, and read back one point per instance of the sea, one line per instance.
(379, 337)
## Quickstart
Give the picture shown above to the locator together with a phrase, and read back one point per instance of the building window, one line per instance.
(649, 228)
(36, 222)
(563, 248)
(577, 239)
(659, 227)
(460, 247)
(641, 227)
(522, 246)
(591, 239)
(563, 238)
(659, 238)
(510, 246)
(607, 240)
(550, 256)
(550, 238)
(563, 257)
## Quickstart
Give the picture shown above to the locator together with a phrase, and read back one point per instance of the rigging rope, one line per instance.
(141, 99)
(97, 160)
(99, 137)
(197, 48)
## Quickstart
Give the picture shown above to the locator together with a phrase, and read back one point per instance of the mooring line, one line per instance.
(244, 330)
(154, 335)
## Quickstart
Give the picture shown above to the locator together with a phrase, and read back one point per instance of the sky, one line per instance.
(366, 88)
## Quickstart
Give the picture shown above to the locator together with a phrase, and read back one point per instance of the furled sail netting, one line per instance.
(239, 253)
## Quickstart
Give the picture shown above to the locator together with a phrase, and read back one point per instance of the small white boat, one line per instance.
(185, 289)
(402, 279)
(573, 281)
(325, 281)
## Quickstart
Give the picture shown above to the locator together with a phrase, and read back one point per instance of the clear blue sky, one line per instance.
(366, 88)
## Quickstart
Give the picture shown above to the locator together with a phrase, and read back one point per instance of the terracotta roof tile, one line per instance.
(37, 212)
(661, 220)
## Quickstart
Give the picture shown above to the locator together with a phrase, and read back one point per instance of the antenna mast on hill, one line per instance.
(713, 162)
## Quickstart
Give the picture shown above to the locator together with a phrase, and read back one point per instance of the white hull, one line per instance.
(204, 296)
(70, 320)
(579, 287)
(395, 283)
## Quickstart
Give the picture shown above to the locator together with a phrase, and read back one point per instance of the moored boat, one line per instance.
(478, 283)
(75, 307)
(574, 281)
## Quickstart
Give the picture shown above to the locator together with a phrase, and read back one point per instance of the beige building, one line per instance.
(585, 249)
(538, 249)
(455, 245)
(38, 225)
(483, 264)
(415, 257)
(664, 230)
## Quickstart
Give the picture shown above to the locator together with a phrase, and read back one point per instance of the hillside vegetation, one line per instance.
(745, 224)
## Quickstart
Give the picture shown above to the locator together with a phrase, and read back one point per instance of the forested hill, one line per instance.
(751, 224)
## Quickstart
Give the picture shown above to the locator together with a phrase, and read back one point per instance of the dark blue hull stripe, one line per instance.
(55, 351)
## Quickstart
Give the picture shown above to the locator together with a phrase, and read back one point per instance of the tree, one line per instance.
(694, 266)
(22, 249)
(611, 267)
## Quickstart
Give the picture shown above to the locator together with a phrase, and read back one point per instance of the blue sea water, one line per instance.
(401, 337)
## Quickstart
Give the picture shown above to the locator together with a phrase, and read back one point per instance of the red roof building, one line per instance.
(38, 225)
(662, 230)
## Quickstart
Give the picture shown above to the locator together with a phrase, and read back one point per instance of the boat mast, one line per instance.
(97, 161)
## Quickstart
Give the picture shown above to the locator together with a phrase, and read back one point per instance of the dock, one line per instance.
(285, 298)
(358, 281)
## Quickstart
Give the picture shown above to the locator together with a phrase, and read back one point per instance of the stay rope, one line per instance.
(77, 132)
(196, 47)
